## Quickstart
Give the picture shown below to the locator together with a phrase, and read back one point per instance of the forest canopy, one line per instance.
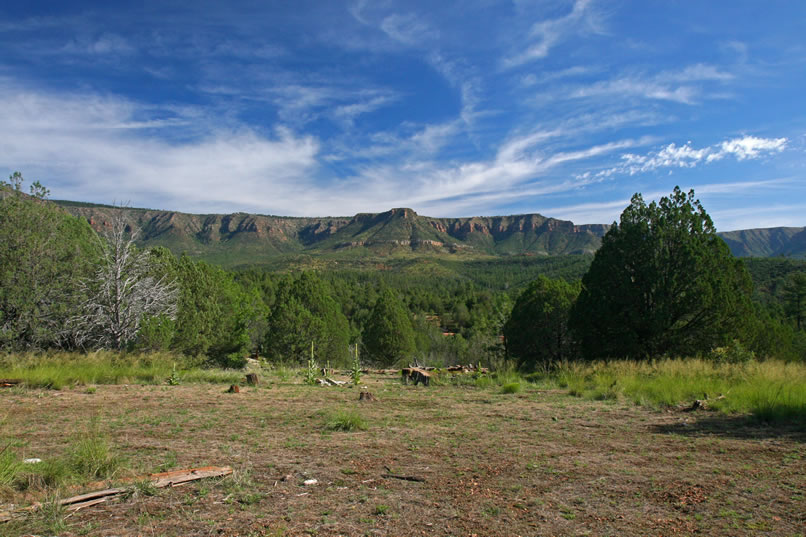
(662, 283)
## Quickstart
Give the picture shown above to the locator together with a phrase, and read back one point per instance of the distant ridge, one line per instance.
(241, 238)
(767, 242)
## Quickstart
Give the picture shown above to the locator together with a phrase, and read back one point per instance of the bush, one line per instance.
(512, 387)
(734, 353)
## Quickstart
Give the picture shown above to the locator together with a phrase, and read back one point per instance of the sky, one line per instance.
(329, 108)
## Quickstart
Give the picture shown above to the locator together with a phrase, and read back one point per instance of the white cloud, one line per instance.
(686, 156)
(90, 148)
(752, 147)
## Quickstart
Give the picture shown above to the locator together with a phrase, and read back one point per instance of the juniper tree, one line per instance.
(662, 282)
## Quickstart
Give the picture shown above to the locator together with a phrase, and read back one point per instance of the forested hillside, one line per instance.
(240, 239)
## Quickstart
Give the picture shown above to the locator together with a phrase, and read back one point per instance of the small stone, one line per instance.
(309, 482)
(32, 461)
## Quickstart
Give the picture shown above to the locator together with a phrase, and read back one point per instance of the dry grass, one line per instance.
(536, 462)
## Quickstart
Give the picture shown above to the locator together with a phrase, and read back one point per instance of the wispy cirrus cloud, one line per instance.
(681, 86)
(107, 43)
(546, 34)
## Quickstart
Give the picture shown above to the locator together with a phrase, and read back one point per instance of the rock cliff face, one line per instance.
(258, 238)
(396, 229)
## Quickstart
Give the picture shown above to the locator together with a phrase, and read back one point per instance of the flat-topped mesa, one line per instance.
(402, 212)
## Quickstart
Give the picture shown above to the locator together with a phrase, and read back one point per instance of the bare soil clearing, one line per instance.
(536, 463)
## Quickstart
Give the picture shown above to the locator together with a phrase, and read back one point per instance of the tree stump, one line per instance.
(366, 396)
(234, 389)
(251, 379)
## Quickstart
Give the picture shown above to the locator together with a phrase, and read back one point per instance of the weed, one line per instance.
(311, 369)
(50, 517)
(355, 370)
(346, 420)
(381, 509)
(491, 511)
(145, 488)
(174, 379)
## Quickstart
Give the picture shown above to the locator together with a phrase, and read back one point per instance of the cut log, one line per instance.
(234, 389)
(169, 479)
(8, 383)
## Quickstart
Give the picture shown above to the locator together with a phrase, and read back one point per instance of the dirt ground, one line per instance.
(533, 463)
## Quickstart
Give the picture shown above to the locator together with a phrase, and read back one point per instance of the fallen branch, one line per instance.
(404, 477)
(392, 475)
(160, 480)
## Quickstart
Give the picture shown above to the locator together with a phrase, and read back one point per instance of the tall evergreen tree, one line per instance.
(44, 253)
(795, 298)
(537, 330)
(388, 335)
(304, 312)
(662, 282)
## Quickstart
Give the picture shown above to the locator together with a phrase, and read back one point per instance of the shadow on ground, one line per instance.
(744, 427)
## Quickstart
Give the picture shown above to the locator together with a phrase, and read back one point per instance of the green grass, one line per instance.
(87, 457)
(511, 387)
(9, 467)
(57, 370)
(770, 390)
(346, 420)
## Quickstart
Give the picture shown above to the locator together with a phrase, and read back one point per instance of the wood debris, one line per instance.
(331, 382)
(9, 383)
(160, 480)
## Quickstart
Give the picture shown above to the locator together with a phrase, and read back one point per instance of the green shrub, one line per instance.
(734, 353)
(511, 387)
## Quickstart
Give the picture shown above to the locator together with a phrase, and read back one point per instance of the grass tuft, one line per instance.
(91, 456)
(346, 420)
(9, 467)
(511, 387)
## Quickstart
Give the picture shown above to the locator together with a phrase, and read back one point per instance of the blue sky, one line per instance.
(318, 108)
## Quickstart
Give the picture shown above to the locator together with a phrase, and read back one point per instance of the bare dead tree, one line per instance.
(123, 290)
